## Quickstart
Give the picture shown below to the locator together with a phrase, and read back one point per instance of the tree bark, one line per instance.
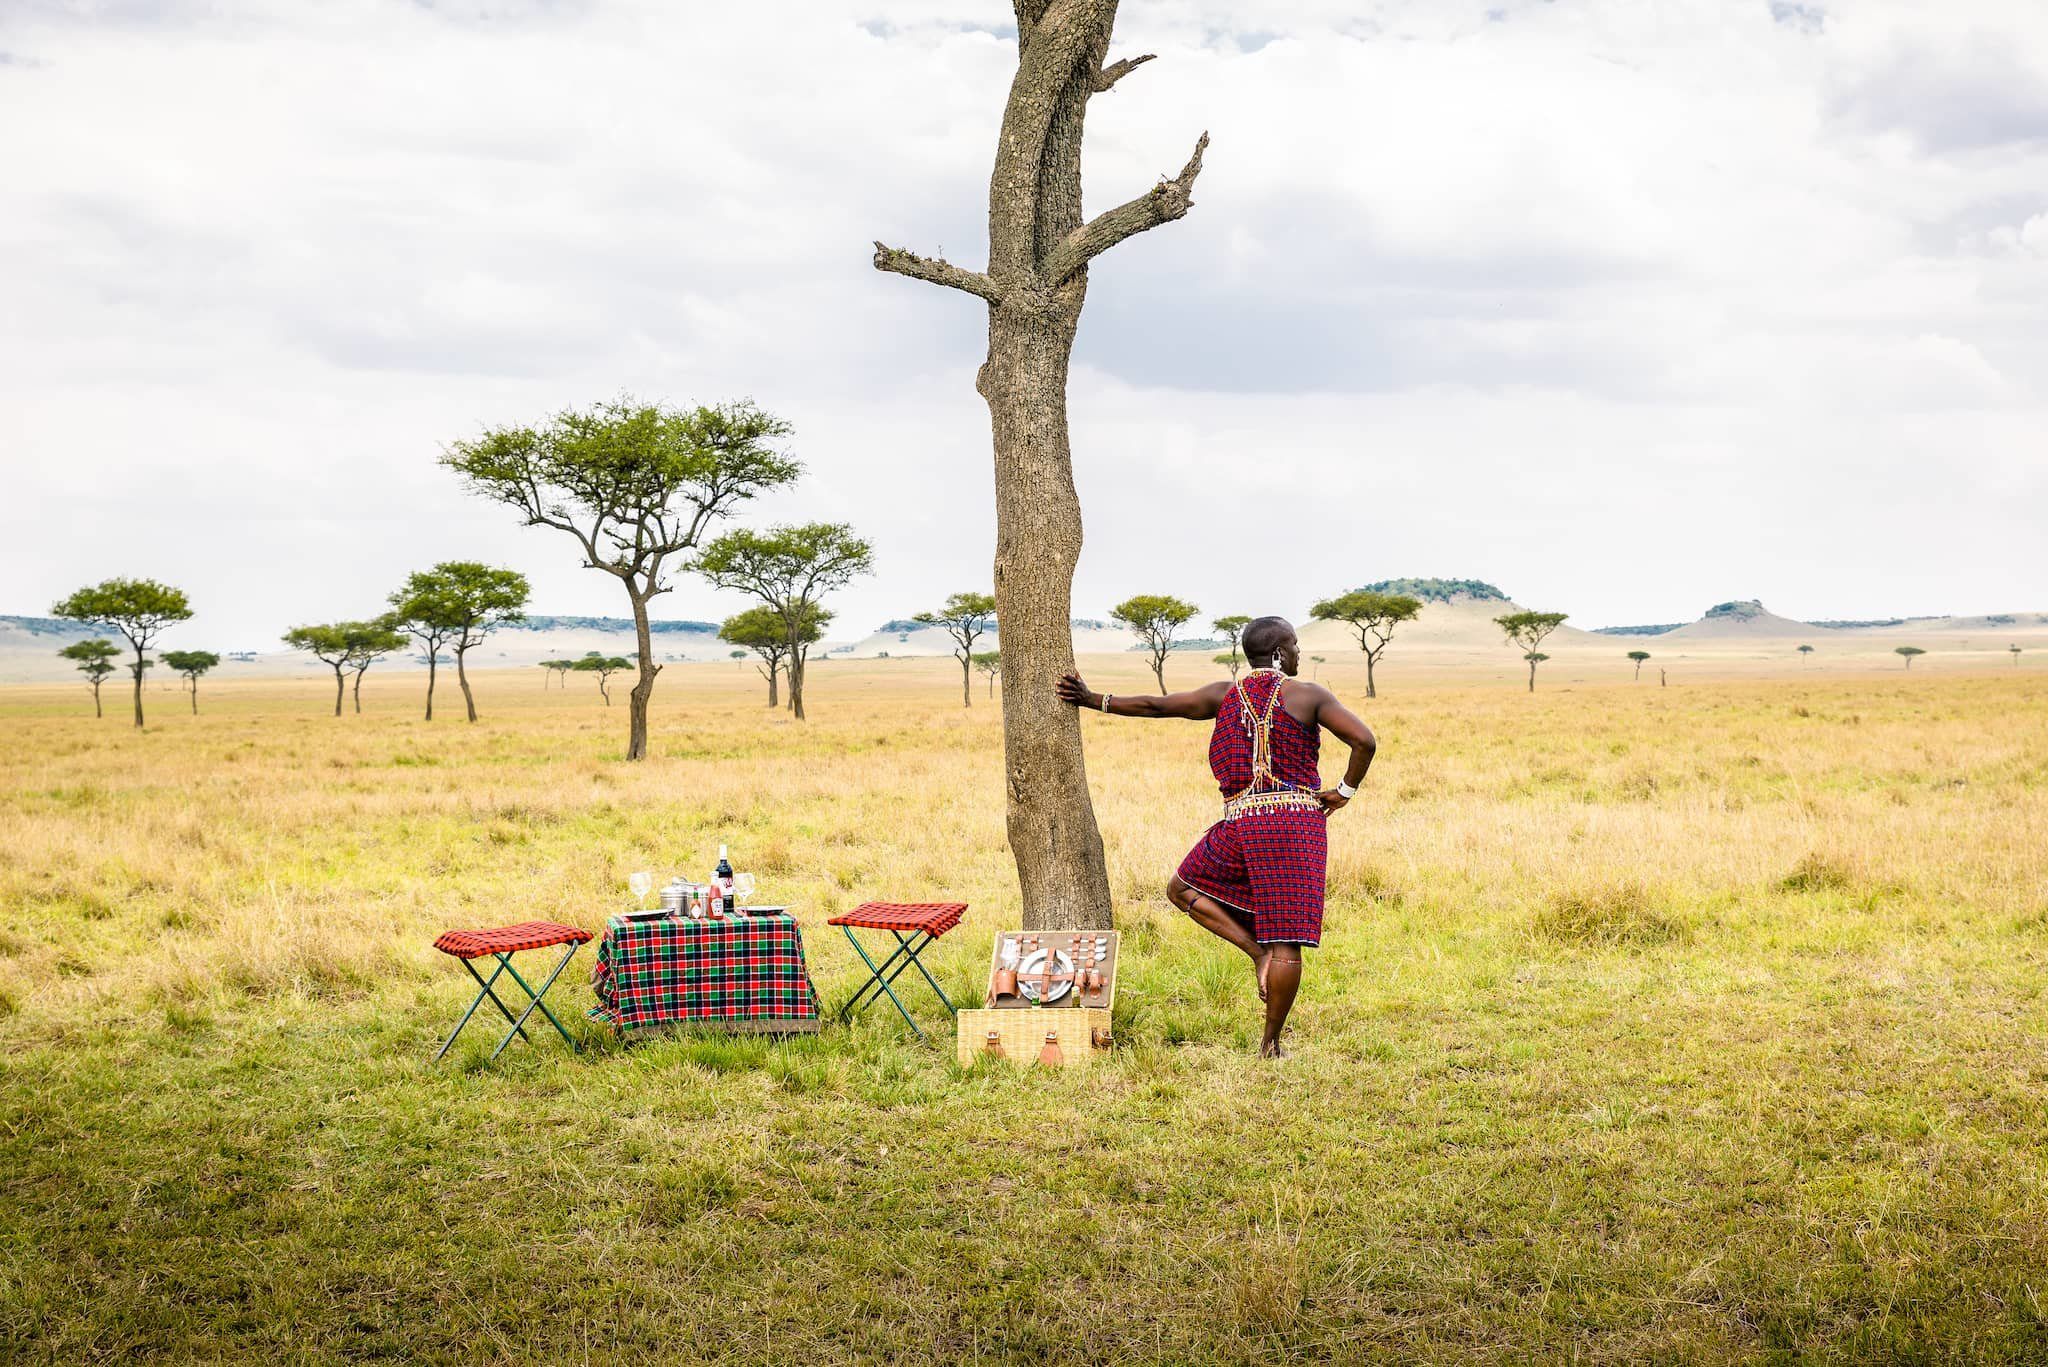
(773, 669)
(1532, 676)
(433, 661)
(1159, 669)
(797, 661)
(138, 687)
(194, 690)
(100, 714)
(339, 686)
(1369, 690)
(462, 677)
(966, 679)
(643, 687)
(357, 691)
(1035, 286)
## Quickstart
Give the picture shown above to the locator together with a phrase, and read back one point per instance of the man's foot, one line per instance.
(1263, 962)
(1272, 1050)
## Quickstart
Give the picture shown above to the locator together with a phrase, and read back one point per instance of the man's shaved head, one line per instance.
(1264, 635)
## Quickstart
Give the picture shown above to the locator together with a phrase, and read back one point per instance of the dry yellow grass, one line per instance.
(1686, 1022)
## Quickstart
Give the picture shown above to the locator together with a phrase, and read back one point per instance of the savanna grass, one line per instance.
(1684, 1024)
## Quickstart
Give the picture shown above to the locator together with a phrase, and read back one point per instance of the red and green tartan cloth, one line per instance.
(668, 971)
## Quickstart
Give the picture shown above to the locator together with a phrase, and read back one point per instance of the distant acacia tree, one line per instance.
(556, 669)
(1153, 618)
(191, 664)
(1908, 652)
(464, 600)
(604, 666)
(96, 660)
(636, 485)
(1228, 660)
(1804, 651)
(1230, 628)
(989, 662)
(2013, 648)
(1319, 662)
(789, 569)
(369, 642)
(1639, 656)
(761, 631)
(1372, 618)
(329, 644)
(139, 609)
(965, 616)
(1527, 630)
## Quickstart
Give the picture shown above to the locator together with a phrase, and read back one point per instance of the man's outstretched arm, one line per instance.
(1198, 704)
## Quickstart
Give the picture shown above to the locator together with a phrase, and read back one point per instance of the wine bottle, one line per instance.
(722, 876)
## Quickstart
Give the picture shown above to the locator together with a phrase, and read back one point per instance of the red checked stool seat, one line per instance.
(501, 944)
(915, 925)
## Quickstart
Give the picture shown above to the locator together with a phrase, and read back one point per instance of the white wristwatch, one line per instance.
(1345, 790)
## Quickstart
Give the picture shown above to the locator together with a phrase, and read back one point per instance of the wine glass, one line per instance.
(742, 888)
(641, 883)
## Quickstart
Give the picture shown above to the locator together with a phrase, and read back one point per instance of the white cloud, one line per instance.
(1492, 289)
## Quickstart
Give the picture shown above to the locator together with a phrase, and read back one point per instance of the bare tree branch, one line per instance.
(900, 262)
(1116, 71)
(1163, 203)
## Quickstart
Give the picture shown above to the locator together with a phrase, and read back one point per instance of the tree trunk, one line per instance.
(1036, 282)
(433, 661)
(1370, 691)
(357, 691)
(98, 713)
(603, 690)
(1159, 669)
(138, 687)
(1051, 816)
(966, 679)
(799, 657)
(339, 685)
(643, 687)
(774, 695)
(462, 677)
(194, 688)
(1532, 676)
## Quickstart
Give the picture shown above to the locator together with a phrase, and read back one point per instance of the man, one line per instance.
(1256, 878)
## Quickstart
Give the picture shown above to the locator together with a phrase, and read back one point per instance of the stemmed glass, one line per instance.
(641, 883)
(742, 888)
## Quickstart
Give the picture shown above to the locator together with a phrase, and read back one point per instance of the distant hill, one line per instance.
(57, 627)
(1438, 590)
(1656, 630)
(1740, 617)
(546, 623)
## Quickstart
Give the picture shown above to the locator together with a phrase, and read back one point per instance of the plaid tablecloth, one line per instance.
(745, 974)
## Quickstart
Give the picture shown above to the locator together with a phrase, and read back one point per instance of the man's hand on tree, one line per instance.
(1074, 693)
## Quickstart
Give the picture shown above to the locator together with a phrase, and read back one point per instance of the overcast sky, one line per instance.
(1629, 306)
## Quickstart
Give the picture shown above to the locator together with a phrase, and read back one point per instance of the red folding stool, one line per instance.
(502, 943)
(915, 925)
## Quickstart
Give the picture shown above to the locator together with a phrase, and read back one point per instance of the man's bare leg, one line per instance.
(1220, 921)
(1283, 980)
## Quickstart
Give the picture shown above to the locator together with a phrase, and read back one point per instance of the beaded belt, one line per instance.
(1284, 800)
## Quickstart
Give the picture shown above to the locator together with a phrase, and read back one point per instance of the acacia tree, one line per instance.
(637, 485)
(369, 642)
(1228, 661)
(604, 666)
(1639, 656)
(1036, 282)
(1231, 628)
(139, 609)
(1153, 618)
(761, 631)
(1804, 651)
(1372, 617)
(1527, 630)
(465, 601)
(990, 663)
(790, 569)
(96, 660)
(420, 618)
(1908, 652)
(329, 644)
(2013, 648)
(556, 669)
(965, 616)
(191, 664)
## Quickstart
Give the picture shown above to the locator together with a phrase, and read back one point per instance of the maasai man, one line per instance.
(1256, 878)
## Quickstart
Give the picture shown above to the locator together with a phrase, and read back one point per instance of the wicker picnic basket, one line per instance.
(1083, 1034)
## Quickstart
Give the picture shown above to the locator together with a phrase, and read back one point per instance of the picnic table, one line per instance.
(744, 973)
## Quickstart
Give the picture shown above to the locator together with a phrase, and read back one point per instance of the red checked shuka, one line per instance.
(1268, 855)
